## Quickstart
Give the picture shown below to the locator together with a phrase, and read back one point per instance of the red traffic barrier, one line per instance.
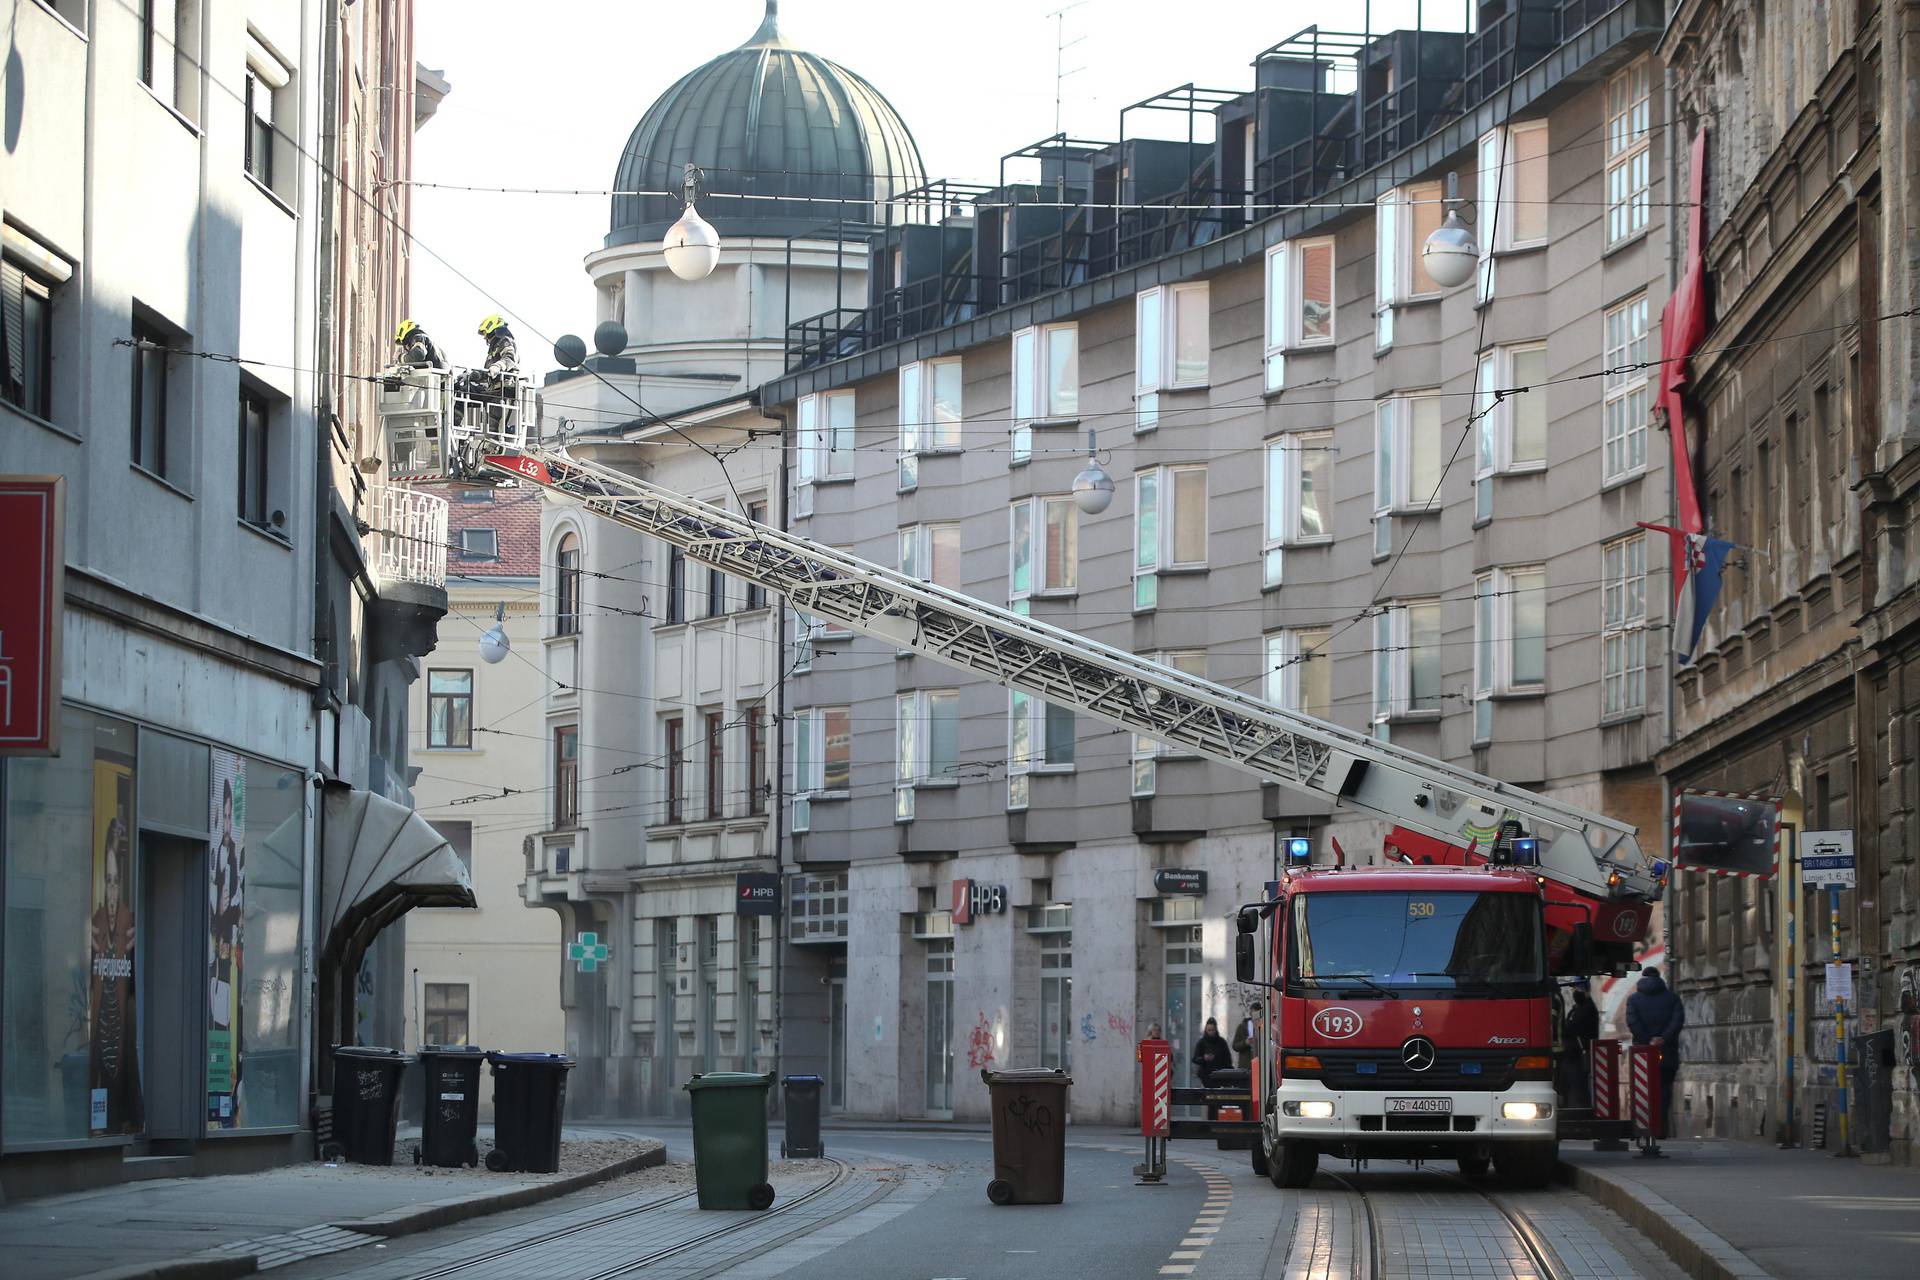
(1643, 1087)
(1606, 1080)
(1156, 1088)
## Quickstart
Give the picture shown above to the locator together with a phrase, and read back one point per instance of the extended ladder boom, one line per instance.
(1582, 850)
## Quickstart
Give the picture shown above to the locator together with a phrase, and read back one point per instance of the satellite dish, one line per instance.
(570, 351)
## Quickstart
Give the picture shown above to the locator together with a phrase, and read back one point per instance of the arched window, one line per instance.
(567, 562)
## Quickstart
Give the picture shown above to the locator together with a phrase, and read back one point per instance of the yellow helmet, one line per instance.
(406, 330)
(491, 323)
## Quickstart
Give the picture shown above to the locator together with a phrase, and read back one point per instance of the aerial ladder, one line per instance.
(1591, 869)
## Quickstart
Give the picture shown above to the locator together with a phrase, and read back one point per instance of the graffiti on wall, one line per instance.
(1120, 1025)
(1909, 1031)
(1087, 1031)
(980, 1044)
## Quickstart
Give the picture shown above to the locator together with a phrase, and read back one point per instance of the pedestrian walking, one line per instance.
(1578, 1030)
(1655, 1016)
(1211, 1053)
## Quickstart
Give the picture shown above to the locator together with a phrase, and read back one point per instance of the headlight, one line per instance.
(1309, 1110)
(1526, 1110)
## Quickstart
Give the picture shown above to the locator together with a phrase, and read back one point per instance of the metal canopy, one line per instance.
(378, 861)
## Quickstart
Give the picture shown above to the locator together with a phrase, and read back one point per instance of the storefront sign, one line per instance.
(756, 893)
(971, 898)
(1174, 881)
(32, 583)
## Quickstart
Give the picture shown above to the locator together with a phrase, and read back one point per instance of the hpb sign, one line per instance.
(756, 893)
(971, 898)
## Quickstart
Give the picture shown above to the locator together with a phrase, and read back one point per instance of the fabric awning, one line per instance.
(379, 861)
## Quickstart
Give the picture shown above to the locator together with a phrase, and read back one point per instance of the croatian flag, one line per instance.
(1702, 558)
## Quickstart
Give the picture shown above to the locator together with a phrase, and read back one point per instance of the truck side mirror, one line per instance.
(1580, 956)
(1243, 964)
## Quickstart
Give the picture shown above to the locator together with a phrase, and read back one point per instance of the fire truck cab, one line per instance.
(1410, 1017)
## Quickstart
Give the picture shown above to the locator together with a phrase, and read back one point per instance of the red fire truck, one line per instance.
(1411, 1016)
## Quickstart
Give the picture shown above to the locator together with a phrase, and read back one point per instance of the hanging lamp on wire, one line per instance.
(691, 245)
(1450, 252)
(1093, 487)
(494, 645)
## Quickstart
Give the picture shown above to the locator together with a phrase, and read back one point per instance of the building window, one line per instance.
(1170, 346)
(450, 708)
(26, 341)
(1046, 381)
(1043, 545)
(926, 725)
(1169, 526)
(929, 414)
(1056, 988)
(445, 1018)
(674, 784)
(1406, 661)
(1623, 626)
(567, 571)
(1039, 739)
(716, 780)
(931, 553)
(823, 751)
(1299, 498)
(1407, 462)
(566, 776)
(254, 458)
(1299, 302)
(169, 53)
(1629, 152)
(826, 442)
(1402, 221)
(676, 584)
(152, 370)
(258, 158)
(479, 544)
(1512, 179)
(459, 836)
(1510, 633)
(756, 593)
(1299, 671)
(1147, 752)
(1624, 416)
(716, 593)
(1510, 431)
(756, 760)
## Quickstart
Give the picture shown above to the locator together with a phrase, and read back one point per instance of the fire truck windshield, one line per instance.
(1396, 943)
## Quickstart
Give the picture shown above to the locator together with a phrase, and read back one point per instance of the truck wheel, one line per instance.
(1473, 1166)
(1292, 1165)
(1259, 1151)
(1527, 1164)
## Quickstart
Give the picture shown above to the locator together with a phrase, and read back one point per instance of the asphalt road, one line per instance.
(911, 1204)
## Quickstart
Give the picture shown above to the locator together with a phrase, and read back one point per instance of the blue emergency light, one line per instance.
(1660, 870)
(1526, 851)
(1299, 850)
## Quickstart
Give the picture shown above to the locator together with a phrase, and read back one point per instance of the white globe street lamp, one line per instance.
(691, 245)
(1450, 253)
(1093, 487)
(494, 645)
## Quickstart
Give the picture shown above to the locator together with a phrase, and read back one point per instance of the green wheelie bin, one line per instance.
(730, 1139)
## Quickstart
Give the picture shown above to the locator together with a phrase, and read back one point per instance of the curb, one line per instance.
(440, 1213)
(192, 1268)
(1682, 1237)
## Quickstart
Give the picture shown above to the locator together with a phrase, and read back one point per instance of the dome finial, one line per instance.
(769, 32)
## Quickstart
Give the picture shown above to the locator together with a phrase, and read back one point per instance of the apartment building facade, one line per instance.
(1803, 421)
(1402, 508)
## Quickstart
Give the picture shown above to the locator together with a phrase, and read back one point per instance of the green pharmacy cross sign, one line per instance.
(588, 953)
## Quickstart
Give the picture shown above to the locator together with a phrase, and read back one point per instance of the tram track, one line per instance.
(520, 1246)
(1547, 1264)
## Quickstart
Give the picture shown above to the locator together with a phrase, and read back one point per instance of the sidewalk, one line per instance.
(221, 1226)
(1726, 1209)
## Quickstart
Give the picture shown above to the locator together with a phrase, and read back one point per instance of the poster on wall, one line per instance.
(113, 1073)
(226, 889)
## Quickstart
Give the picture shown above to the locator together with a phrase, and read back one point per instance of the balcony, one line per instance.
(409, 570)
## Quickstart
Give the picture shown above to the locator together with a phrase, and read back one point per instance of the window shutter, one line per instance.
(13, 324)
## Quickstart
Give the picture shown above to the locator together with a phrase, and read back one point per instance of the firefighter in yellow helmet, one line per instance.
(416, 348)
(503, 356)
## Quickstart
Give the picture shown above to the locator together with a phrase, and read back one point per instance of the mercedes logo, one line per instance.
(1418, 1053)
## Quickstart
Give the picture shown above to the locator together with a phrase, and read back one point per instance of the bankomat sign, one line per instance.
(971, 898)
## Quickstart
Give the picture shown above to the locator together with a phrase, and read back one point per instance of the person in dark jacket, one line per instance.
(1245, 1034)
(1211, 1054)
(416, 348)
(1655, 1016)
(1578, 1030)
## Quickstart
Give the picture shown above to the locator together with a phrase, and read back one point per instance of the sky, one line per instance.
(545, 96)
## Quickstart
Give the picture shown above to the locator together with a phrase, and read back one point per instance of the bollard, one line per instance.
(1643, 1086)
(1156, 1109)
